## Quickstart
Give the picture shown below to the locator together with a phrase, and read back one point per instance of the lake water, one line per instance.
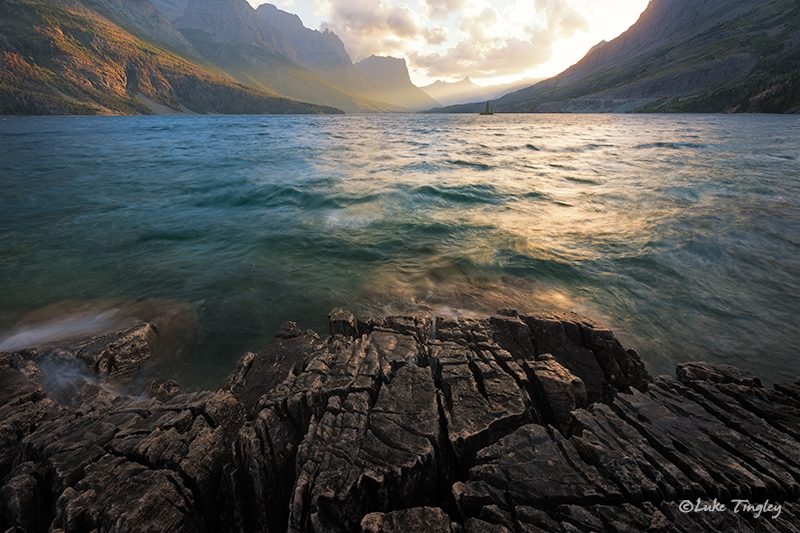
(679, 232)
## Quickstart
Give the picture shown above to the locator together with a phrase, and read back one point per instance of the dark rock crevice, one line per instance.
(510, 423)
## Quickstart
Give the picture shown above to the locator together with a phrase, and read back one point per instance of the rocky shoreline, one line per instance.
(519, 423)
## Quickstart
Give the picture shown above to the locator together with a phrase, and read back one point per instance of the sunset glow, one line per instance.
(491, 42)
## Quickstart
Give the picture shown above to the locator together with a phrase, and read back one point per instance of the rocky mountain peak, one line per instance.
(385, 69)
(233, 21)
(315, 50)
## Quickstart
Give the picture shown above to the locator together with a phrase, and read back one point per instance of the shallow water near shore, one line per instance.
(681, 232)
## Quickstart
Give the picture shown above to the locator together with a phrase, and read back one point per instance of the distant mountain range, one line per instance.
(449, 93)
(223, 56)
(681, 56)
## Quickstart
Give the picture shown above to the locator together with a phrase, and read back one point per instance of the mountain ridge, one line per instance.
(324, 54)
(64, 57)
(718, 56)
(465, 90)
(391, 74)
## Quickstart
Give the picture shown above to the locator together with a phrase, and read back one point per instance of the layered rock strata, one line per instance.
(509, 423)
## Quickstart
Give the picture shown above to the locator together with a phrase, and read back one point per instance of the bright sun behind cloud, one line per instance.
(491, 42)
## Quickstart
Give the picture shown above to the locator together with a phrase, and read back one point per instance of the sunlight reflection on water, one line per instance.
(681, 233)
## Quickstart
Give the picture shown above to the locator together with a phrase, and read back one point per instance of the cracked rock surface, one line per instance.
(509, 423)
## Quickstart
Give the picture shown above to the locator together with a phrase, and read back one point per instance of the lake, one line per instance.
(679, 232)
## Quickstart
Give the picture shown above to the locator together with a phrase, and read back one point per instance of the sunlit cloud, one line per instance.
(488, 48)
(449, 39)
(440, 9)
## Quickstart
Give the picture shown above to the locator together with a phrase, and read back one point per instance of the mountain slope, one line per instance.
(465, 91)
(230, 34)
(391, 74)
(682, 56)
(323, 53)
(62, 57)
(447, 93)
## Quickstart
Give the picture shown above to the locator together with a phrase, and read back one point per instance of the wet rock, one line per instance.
(414, 520)
(511, 423)
(117, 494)
(535, 466)
(342, 323)
(482, 403)
(590, 352)
(257, 374)
(165, 390)
(117, 357)
(718, 373)
(560, 391)
(23, 500)
(23, 400)
(474, 525)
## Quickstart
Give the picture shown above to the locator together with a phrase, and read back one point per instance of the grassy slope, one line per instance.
(60, 57)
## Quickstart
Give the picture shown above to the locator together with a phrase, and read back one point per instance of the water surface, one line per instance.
(680, 232)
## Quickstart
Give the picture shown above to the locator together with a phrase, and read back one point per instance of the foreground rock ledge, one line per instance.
(510, 423)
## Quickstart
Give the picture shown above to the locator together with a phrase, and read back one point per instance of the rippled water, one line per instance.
(681, 233)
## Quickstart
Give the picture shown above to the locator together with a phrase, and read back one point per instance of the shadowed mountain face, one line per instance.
(314, 49)
(323, 53)
(233, 22)
(172, 9)
(256, 53)
(391, 74)
(682, 56)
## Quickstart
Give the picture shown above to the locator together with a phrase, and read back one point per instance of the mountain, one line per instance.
(314, 49)
(233, 22)
(460, 92)
(682, 56)
(448, 93)
(172, 9)
(114, 57)
(391, 74)
(496, 91)
(230, 34)
(323, 53)
(464, 91)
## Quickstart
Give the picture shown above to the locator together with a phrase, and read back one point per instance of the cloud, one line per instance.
(563, 20)
(441, 9)
(504, 43)
(401, 21)
(376, 26)
(436, 35)
(480, 39)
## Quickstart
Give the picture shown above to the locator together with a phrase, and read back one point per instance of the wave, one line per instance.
(581, 180)
(91, 322)
(670, 145)
(589, 148)
(472, 164)
(465, 194)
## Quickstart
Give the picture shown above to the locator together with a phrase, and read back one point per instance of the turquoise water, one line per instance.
(680, 232)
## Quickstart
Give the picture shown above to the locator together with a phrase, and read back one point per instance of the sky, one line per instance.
(496, 41)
